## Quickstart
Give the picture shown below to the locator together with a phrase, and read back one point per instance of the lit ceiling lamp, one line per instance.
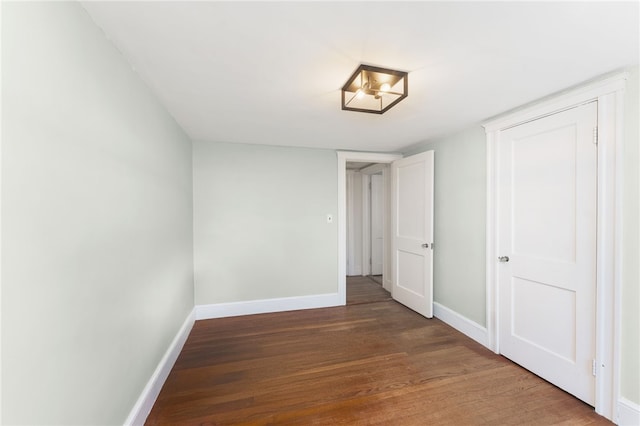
(374, 89)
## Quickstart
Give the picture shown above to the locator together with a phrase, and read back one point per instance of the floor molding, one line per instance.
(149, 394)
(462, 324)
(387, 284)
(628, 413)
(221, 310)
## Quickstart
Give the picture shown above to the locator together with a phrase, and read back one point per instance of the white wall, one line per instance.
(97, 271)
(630, 360)
(260, 225)
(459, 222)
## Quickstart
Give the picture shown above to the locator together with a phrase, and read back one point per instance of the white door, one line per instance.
(547, 230)
(412, 222)
(377, 230)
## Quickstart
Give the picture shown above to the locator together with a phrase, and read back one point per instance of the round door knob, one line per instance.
(425, 245)
(503, 258)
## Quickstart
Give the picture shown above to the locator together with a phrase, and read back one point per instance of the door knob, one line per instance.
(425, 245)
(503, 258)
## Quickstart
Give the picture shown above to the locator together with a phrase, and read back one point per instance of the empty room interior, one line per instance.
(394, 213)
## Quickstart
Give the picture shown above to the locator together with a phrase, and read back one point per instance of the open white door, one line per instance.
(412, 222)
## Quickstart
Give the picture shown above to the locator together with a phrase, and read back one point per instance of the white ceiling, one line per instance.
(271, 72)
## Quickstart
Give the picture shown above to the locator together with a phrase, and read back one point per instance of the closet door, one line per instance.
(547, 181)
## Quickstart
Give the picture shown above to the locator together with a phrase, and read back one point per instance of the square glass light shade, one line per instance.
(373, 89)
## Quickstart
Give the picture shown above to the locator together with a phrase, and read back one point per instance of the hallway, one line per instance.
(365, 290)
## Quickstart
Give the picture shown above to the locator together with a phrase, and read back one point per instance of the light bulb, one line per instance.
(359, 94)
(385, 87)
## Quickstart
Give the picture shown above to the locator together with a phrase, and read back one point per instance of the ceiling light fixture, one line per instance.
(374, 89)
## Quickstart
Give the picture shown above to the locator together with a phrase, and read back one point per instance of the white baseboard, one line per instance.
(149, 394)
(462, 324)
(221, 310)
(357, 271)
(628, 413)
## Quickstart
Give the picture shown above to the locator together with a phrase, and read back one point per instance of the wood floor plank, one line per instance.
(365, 290)
(375, 363)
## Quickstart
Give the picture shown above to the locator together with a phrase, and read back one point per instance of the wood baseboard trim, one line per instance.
(251, 307)
(150, 393)
(628, 413)
(463, 324)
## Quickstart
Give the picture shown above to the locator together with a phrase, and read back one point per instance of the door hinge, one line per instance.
(594, 367)
(370, 262)
(595, 135)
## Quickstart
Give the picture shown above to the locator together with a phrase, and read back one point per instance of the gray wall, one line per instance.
(260, 228)
(460, 191)
(460, 221)
(97, 271)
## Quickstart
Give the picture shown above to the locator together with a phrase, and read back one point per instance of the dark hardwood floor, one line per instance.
(365, 290)
(373, 363)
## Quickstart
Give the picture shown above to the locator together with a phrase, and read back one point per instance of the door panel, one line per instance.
(547, 228)
(411, 273)
(411, 199)
(543, 193)
(412, 265)
(554, 308)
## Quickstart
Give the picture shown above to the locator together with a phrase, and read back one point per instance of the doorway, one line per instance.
(408, 263)
(367, 223)
(370, 159)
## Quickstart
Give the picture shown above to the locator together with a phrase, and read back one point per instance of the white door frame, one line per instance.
(353, 267)
(609, 93)
(366, 211)
(0, 243)
(366, 224)
(343, 158)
